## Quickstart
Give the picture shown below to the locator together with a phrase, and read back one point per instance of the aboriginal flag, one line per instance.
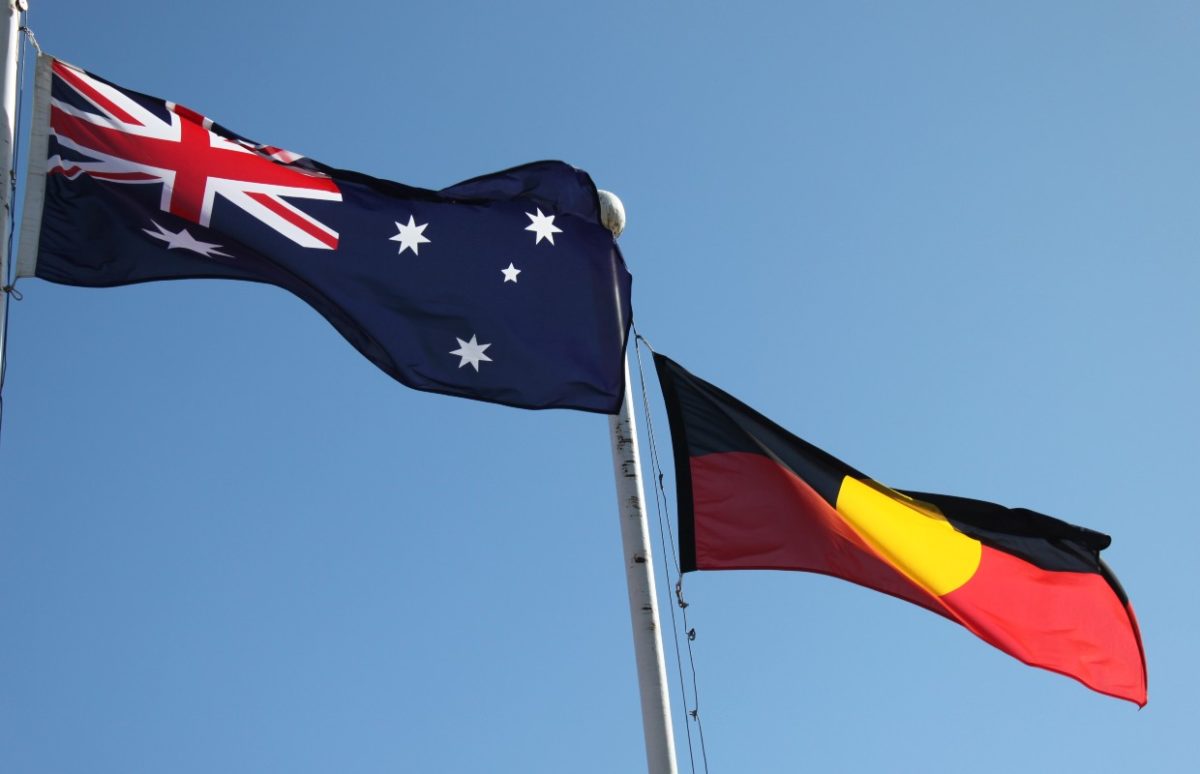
(754, 496)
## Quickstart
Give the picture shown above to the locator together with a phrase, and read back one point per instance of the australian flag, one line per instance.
(504, 288)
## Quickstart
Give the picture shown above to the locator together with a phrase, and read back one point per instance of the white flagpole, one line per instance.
(639, 564)
(10, 39)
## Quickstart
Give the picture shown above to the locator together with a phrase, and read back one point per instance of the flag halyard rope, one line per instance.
(671, 569)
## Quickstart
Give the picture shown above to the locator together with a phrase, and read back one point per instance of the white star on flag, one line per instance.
(510, 274)
(410, 236)
(471, 352)
(185, 241)
(543, 226)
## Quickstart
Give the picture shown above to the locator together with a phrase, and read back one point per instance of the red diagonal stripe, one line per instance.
(86, 89)
(307, 226)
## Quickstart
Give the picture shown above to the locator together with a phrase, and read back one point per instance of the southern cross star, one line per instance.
(471, 352)
(510, 274)
(543, 226)
(185, 241)
(411, 236)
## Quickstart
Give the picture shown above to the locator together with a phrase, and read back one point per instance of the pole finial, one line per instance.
(612, 212)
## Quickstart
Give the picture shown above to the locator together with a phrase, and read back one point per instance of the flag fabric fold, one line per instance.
(505, 288)
(754, 496)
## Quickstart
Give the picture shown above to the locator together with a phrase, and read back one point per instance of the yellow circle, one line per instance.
(914, 537)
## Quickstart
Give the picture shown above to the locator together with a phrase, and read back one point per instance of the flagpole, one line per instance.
(639, 565)
(10, 40)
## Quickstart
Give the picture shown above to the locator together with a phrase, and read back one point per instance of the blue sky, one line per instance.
(954, 246)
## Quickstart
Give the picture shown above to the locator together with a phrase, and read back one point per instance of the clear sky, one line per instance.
(956, 247)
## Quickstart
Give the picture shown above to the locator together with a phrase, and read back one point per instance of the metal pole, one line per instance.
(11, 42)
(639, 564)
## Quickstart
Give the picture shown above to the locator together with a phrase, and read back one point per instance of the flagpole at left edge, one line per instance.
(11, 41)
(639, 564)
